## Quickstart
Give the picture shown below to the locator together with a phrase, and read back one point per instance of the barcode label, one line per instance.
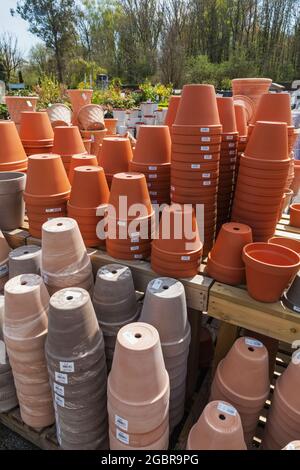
(61, 378)
(204, 129)
(226, 409)
(59, 389)
(204, 148)
(121, 423)
(60, 401)
(207, 157)
(122, 436)
(195, 166)
(66, 366)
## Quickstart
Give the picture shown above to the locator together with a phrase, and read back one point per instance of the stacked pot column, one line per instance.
(242, 379)
(81, 160)
(177, 248)
(114, 156)
(77, 371)
(46, 192)
(89, 192)
(227, 160)
(12, 153)
(130, 218)
(242, 128)
(164, 307)
(36, 132)
(25, 331)
(65, 262)
(283, 425)
(8, 397)
(138, 391)
(152, 157)
(115, 304)
(196, 145)
(67, 142)
(262, 179)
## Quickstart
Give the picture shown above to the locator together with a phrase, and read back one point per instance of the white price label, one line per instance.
(296, 309)
(134, 248)
(195, 166)
(61, 378)
(29, 104)
(229, 410)
(204, 148)
(206, 183)
(59, 389)
(157, 284)
(152, 177)
(121, 423)
(152, 168)
(121, 223)
(205, 139)
(229, 137)
(204, 129)
(122, 436)
(231, 145)
(53, 209)
(253, 342)
(153, 193)
(207, 157)
(206, 175)
(185, 258)
(138, 256)
(66, 366)
(60, 401)
(173, 188)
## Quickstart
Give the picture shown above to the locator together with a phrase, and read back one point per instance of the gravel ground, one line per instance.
(12, 441)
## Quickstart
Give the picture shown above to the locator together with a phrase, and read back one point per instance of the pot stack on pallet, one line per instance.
(138, 391)
(114, 156)
(262, 179)
(283, 424)
(25, 332)
(65, 262)
(128, 235)
(177, 248)
(89, 192)
(77, 370)
(36, 132)
(67, 142)
(164, 307)
(227, 159)
(115, 304)
(12, 153)
(242, 379)
(46, 192)
(196, 146)
(8, 397)
(152, 157)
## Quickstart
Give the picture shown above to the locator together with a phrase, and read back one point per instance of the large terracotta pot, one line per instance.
(250, 90)
(25, 260)
(153, 145)
(241, 119)
(59, 115)
(91, 117)
(12, 154)
(274, 107)
(76, 364)
(202, 100)
(35, 129)
(17, 104)
(268, 140)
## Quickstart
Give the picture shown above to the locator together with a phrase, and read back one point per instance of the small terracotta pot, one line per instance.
(241, 119)
(35, 127)
(202, 100)
(274, 107)
(295, 215)
(218, 428)
(114, 155)
(172, 111)
(81, 160)
(25, 260)
(268, 141)
(17, 104)
(12, 154)
(269, 270)
(11, 200)
(68, 141)
(111, 126)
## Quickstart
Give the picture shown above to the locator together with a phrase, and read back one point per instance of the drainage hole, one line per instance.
(25, 252)
(251, 349)
(24, 283)
(138, 335)
(236, 228)
(114, 272)
(165, 287)
(222, 417)
(59, 224)
(70, 297)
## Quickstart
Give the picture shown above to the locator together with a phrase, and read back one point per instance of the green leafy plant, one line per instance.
(3, 111)
(50, 91)
(158, 92)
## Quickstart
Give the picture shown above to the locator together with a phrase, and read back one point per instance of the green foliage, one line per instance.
(80, 70)
(113, 98)
(158, 92)
(50, 91)
(3, 111)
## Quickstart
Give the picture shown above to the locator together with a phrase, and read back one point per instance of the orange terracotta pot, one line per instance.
(17, 104)
(168, 269)
(268, 141)
(227, 115)
(35, 126)
(261, 209)
(196, 130)
(68, 141)
(194, 175)
(261, 201)
(196, 158)
(287, 242)
(91, 117)
(87, 145)
(153, 145)
(111, 125)
(274, 107)
(114, 155)
(202, 149)
(12, 155)
(172, 111)
(265, 164)
(152, 172)
(272, 184)
(96, 138)
(241, 119)
(199, 186)
(201, 99)
(259, 174)
(195, 166)
(251, 89)
(81, 160)
(269, 270)
(295, 215)
(79, 98)
(295, 186)
(89, 190)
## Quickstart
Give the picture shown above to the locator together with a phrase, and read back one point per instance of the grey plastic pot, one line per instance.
(11, 200)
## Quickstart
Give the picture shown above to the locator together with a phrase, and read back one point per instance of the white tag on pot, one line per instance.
(122, 436)
(134, 248)
(121, 223)
(204, 129)
(204, 148)
(66, 366)
(121, 423)
(84, 96)
(229, 410)
(253, 343)
(157, 284)
(134, 239)
(231, 145)
(231, 152)
(59, 389)
(92, 138)
(61, 378)
(229, 137)
(207, 157)
(206, 175)
(59, 400)
(53, 209)
(152, 168)
(232, 160)
(195, 166)
(296, 309)
(185, 258)
(138, 256)
(3, 270)
(206, 183)
(153, 176)
(205, 139)
(153, 193)
(29, 104)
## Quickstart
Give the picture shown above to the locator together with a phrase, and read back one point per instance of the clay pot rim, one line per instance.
(254, 81)
(295, 207)
(283, 239)
(266, 247)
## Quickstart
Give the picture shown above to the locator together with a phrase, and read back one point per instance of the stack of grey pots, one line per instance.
(115, 303)
(8, 397)
(25, 260)
(165, 308)
(77, 371)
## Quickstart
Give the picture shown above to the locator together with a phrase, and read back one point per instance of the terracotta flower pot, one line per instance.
(96, 138)
(87, 145)
(274, 107)
(111, 126)
(114, 155)
(25, 260)
(295, 186)
(204, 149)
(81, 160)
(91, 117)
(12, 154)
(35, 127)
(68, 142)
(77, 369)
(11, 200)
(287, 242)
(269, 270)
(138, 406)
(225, 262)
(227, 115)
(59, 115)
(17, 104)
(153, 145)
(295, 215)
(65, 262)
(218, 428)
(79, 98)
(268, 141)
(172, 110)
(200, 157)
(241, 119)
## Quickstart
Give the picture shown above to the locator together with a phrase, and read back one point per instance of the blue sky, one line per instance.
(16, 25)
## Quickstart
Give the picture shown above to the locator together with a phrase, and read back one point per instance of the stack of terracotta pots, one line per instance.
(164, 307)
(242, 128)
(138, 405)
(225, 263)
(177, 248)
(36, 132)
(4, 256)
(218, 428)
(46, 192)
(228, 159)
(8, 397)
(67, 142)
(77, 371)
(12, 153)
(130, 218)
(25, 331)
(65, 262)
(283, 424)
(172, 111)
(152, 156)
(25, 260)
(96, 139)
(248, 91)
(196, 145)
(89, 192)
(115, 304)
(79, 98)
(17, 104)
(262, 179)
(295, 186)
(242, 379)
(114, 156)
(81, 160)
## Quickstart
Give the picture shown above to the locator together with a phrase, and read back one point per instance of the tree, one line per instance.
(53, 21)
(10, 55)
